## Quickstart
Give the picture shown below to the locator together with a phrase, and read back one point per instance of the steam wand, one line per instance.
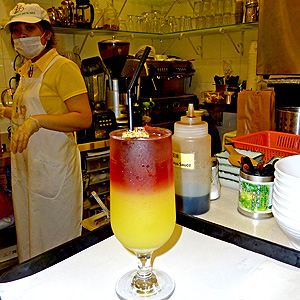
(133, 83)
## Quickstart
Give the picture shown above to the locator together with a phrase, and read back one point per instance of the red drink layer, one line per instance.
(135, 163)
(142, 194)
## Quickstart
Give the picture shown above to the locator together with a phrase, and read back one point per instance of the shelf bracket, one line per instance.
(175, 1)
(91, 34)
(178, 1)
(183, 36)
(196, 49)
(238, 47)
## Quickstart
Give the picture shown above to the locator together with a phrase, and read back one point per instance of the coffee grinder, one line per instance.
(113, 54)
(103, 120)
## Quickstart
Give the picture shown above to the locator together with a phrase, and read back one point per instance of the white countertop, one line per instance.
(223, 211)
(202, 267)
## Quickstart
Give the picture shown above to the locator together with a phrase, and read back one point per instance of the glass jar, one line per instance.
(98, 16)
(110, 17)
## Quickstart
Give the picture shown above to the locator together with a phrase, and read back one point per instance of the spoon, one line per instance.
(235, 157)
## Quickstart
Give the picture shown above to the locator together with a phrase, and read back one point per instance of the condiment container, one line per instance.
(110, 16)
(192, 164)
(255, 195)
(215, 182)
(98, 16)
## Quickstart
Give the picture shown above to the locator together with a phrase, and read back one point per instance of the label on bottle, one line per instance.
(184, 160)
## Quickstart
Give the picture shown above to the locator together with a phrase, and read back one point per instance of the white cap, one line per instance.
(27, 13)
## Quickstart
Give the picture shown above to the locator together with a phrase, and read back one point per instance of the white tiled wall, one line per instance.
(216, 48)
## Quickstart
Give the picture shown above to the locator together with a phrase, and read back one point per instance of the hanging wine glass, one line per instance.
(130, 23)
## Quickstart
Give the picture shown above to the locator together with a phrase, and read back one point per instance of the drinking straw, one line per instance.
(102, 205)
(134, 79)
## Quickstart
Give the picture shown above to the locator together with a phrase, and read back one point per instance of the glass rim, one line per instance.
(167, 133)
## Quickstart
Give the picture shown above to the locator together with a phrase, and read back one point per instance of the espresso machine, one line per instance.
(161, 91)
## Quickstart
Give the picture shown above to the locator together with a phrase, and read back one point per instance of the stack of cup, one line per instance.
(286, 199)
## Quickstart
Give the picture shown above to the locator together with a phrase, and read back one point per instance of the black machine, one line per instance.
(158, 97)
(161, 93)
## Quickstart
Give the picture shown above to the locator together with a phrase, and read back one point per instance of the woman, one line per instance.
(49, 104)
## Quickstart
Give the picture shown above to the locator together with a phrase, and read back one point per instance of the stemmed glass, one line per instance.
(164, 28)
(146, 25)
(142, 203)
(155, 22)
(130, 23)
(138, 23)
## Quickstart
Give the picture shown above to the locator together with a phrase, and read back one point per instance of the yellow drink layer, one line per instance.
(142, 194)
(142, 222)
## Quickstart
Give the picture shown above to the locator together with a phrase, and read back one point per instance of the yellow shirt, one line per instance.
(61, 82)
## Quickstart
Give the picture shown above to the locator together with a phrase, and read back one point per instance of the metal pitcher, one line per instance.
(68, 11)
(252, 9)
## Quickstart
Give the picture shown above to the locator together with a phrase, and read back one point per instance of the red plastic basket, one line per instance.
(271, 143)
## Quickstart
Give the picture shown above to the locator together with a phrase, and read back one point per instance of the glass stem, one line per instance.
(145, 281)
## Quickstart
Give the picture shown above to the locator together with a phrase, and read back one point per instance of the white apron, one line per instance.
(46, 179)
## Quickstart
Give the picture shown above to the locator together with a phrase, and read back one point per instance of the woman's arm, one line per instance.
(7, 112)
(79, 116)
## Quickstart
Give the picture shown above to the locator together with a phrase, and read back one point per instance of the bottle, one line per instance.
(98, 16)
(215, 182)
(192, 164)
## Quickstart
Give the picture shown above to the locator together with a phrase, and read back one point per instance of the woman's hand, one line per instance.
(23, 133)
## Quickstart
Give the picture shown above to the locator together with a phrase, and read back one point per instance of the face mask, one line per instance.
(29, 47)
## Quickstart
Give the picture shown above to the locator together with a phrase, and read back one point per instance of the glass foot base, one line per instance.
(164, 290)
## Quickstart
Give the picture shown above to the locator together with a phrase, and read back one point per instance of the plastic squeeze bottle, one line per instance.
(192, 164)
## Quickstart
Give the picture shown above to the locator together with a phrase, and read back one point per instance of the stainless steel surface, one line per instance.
(113, 102)
(68, 11)
(167, 68)
(257, 179)
(254, 215)
(251, 14)
(288, 119)
(84, 14)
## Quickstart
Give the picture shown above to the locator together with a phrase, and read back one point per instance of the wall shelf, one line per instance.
(127, 35)
(194, 32)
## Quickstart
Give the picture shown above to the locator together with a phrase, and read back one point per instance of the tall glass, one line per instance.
(142, 202)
